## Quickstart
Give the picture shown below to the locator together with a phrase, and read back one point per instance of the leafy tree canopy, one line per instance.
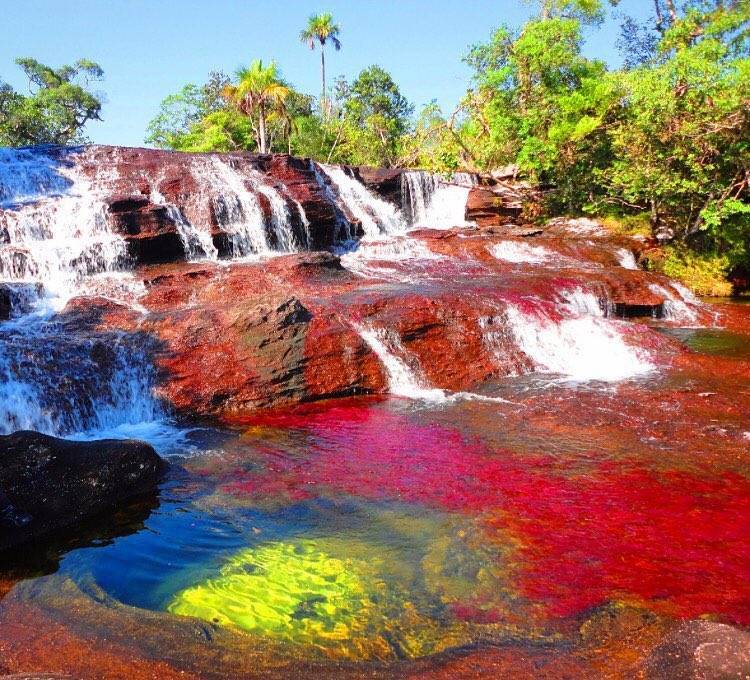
(58, 107)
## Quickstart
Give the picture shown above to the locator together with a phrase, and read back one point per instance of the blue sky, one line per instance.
(150, 48)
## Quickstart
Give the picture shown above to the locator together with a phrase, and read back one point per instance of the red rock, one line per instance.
(486, 207)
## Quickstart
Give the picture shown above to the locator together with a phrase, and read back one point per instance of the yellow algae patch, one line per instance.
(299, 593)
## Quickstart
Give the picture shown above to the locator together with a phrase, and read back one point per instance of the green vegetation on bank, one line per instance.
(661, 142)
(58, 107)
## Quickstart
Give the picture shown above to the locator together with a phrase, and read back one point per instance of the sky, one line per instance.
(151, 48)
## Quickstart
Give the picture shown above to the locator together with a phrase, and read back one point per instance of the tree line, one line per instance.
(660, 144)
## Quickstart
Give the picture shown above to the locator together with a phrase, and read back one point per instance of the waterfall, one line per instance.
(58, 381)
(197, 243)
(53, 224)
(56, 243)
(581, 345)
(376, 215)
(626, 258)
(680, 306)
(430, 201)
(237, 209)
(403, 381)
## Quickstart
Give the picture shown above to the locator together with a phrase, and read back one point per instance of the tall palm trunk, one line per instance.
(323, 98)
(262, 128)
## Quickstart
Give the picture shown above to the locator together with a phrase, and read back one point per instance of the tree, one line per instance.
(376, 116)
(58, 107)
(320, 28)
(259, 93)
(179, 113)
(681, 150)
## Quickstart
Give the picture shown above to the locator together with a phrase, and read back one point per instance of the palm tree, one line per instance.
(320, 28)
(259, 92)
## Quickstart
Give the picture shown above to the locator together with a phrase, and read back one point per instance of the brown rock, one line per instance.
(702, 650)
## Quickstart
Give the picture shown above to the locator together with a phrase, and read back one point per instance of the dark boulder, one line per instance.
(47, 484)
(385, 182)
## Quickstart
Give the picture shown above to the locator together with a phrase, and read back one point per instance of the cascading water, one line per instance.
(431, 201)
(237, 209)
(521, 253)
(680, 305)
(53, 224)
(240, 213)
(57, 244)
(197, 242)
(376, 215)
(576, 341)
(403, 381)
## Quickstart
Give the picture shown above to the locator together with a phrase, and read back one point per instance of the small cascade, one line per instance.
(403, 381)
(56, 381)
(577, 342)
(626, 258)
(237, 209)
(53, 225)
(376, 215)
(521, 253)
(680, 305)
(56, 243)
(198, 243)
(430, 201)
(580, 302)
(239, 212)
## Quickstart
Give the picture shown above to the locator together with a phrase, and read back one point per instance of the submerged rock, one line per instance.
(701, 649)
(48, 484)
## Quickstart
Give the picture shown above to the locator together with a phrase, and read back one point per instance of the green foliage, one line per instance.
(375, 117)
(58, 108)
(181, 111)
(667, 137)
(703, 273)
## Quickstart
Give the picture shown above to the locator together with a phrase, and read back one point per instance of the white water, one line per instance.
(197, 242)
(54, 225)
(237, 209)
(521, 253)
(58, 244)
(626, 258)
(680, 305)
(580, 302)
(431, 201)
(396, 258)
(376, 215)
(581, 348)
(403, 381)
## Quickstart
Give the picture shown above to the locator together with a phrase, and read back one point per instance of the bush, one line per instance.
(704, 274)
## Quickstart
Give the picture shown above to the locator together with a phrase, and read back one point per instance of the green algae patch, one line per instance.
(302, 594)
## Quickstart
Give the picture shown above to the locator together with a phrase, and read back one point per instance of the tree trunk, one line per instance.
(323, 98)
(262, 128)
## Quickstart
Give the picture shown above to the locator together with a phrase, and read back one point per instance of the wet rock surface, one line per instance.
(48, 484)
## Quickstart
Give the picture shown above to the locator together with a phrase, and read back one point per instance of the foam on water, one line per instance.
(371, 258)
(581, 348)
(431, 201)
(521, 253)
(376, 215)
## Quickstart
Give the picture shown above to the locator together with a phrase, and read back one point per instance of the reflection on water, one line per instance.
(384, 530)
(712, 341)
